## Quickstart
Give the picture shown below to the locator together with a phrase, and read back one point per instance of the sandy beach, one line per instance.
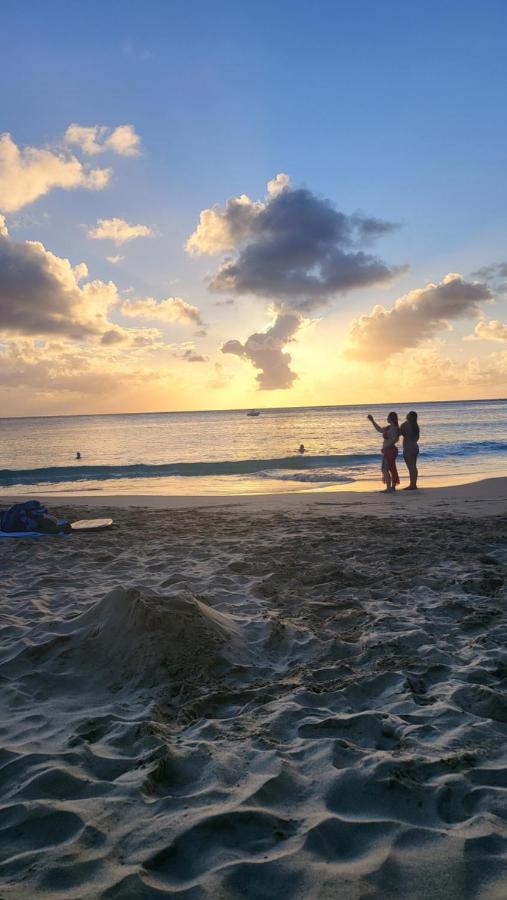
(298, 696)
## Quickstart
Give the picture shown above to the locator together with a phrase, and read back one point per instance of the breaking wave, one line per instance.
(330, 468)
(55, 474)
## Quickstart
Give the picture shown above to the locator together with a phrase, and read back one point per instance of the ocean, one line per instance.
(224, 452)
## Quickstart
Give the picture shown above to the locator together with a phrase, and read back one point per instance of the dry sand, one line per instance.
(292, 697)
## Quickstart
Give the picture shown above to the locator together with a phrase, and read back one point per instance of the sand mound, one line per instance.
(144, 639)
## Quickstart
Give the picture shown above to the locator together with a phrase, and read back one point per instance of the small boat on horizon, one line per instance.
(253, 412)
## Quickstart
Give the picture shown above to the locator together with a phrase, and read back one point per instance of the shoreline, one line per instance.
(487, 496)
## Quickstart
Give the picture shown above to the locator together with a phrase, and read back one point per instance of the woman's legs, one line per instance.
(386, 474)
(411, 461)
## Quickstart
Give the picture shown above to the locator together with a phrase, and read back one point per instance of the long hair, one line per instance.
(393, 419)
(412, 420)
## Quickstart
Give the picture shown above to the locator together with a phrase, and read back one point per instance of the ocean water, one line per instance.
(225, 452)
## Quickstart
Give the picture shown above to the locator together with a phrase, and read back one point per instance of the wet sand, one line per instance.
(295, 696)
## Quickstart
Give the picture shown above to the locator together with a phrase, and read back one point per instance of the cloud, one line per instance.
(494, 275)
(32, 172)
(414, 318)
(294, 249)
(265, 350)
(95, 139)
(221, 378)
(114, 259)
(40, 293)
(44, 295)
(491, 330)
(488, 273)
(278, 184)
(59, 370)
(172, 309)
(4, 231)
(192, 356)
(118, 230)
(133, 338)
(112, 336)
(426, 367)
(229, 302)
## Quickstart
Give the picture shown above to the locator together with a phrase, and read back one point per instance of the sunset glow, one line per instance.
(148, 262)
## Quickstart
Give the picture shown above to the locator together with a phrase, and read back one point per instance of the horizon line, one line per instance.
(178, 412)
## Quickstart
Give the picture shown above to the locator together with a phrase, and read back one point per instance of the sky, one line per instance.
(213, 205)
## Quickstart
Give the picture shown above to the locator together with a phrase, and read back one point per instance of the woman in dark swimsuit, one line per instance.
(410, 433)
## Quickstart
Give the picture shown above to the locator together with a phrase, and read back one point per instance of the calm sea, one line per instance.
(230, 452)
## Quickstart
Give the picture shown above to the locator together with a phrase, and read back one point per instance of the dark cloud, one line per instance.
(491, 273)
(191, 356)
(298, 249)
(265, 350)
(294, 249)
(369, 228)
(39, 293)
(113, 336)
(495, 275)
(415, 317)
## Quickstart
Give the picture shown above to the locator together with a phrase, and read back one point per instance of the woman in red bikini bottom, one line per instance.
(391, 435)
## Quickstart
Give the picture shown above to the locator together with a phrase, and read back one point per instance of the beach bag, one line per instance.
(31, 516)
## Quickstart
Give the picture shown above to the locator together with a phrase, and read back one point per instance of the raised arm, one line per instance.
(377, 427)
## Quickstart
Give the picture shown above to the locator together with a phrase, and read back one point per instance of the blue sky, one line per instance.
(395, 109)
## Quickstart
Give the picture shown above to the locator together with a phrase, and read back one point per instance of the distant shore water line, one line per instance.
(261, 467)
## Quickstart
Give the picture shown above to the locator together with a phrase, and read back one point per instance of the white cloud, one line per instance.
(114, 259)
(219, 230)
(32, 172)
(491, 330)
(414, 318)
(118, 230)
(222, 229)
(95, 139)
(278, 184)
(4, 231)
(426, 367)
(172, 309)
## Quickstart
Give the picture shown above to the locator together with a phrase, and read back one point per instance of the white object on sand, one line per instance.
(91, 524)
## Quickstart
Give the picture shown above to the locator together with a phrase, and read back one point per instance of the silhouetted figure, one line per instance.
(302, 449)
(410, 433)
(391, 435)
(78, 455)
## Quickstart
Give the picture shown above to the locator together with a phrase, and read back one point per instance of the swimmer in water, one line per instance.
(302, 449)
